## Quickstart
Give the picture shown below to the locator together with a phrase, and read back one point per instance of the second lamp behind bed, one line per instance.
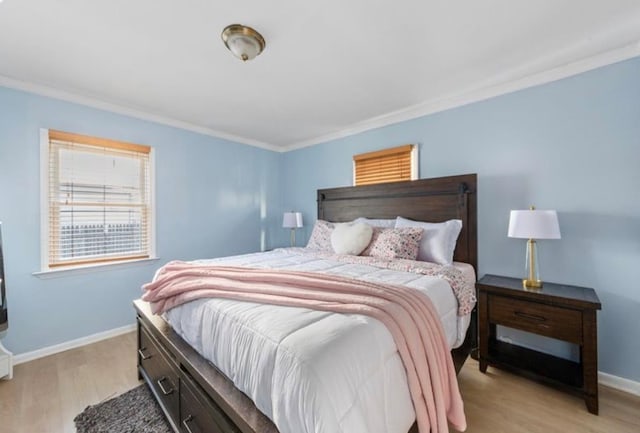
(292, 220)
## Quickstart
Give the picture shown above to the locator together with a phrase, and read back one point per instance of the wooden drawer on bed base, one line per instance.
(160, 372)
(187, 407)
(198, 414)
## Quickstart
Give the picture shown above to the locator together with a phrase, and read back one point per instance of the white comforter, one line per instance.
(313, 371)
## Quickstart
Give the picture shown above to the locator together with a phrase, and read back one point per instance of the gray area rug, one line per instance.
(135, 411)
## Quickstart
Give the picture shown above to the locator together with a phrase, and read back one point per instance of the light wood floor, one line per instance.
(500, 402)
(46, 394)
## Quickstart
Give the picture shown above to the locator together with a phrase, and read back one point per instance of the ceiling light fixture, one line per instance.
(244, 42)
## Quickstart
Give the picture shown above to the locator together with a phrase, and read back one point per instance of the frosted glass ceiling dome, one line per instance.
(244, 42)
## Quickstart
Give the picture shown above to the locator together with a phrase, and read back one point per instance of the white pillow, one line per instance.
(350, 238)
(384, 223)
(438, 239)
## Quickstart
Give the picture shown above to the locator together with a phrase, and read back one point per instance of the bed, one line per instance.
(195, 396)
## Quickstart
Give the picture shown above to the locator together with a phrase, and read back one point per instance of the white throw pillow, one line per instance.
(351, 238)
(438, 239)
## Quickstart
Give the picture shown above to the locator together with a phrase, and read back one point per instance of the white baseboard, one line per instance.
(57, 348)
(619, 383)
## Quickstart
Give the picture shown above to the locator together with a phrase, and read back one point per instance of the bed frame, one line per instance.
(196, 397)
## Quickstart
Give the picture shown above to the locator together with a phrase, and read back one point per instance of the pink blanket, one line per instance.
(407, 313)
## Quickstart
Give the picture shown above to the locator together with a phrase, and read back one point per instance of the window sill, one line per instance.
(96, 267)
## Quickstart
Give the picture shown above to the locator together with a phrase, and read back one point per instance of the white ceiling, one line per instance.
(331, 67)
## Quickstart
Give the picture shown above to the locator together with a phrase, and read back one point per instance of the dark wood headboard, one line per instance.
(433, 200)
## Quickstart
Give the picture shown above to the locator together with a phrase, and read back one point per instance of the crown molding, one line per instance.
(415, 111)
(476, 95)
(93, 102)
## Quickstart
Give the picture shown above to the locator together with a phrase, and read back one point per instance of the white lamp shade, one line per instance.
(534, 224)
(292, 220)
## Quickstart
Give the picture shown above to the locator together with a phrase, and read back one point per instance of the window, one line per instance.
(387, 165)
(97, 199)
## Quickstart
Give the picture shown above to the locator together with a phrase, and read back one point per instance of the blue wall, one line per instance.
(572, 145)
(213, 198)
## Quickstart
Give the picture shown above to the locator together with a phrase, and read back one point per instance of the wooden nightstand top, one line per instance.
(550, 293)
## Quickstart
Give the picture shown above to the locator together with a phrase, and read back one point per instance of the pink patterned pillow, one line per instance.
(397, 243)
(321, 236)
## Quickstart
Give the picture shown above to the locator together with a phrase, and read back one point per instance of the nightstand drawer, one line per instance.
(555, 322)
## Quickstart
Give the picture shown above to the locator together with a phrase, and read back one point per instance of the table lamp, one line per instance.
(533, 224)
(292, 220)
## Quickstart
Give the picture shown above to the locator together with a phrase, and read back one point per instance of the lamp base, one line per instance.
(532, 281)
(531, 284)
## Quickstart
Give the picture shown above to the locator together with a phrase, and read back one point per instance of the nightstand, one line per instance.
(566, 313)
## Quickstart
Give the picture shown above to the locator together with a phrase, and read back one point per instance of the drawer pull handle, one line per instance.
(162, 388)
(143, 357)
(185, 423)
(531, 316)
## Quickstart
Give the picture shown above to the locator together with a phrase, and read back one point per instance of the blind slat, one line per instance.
(101, 205)
(376, 167)
(406, 149)
(86, 140)
(382, 172)
(391, 157)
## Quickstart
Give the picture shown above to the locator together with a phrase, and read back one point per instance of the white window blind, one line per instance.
(387, 165)
(99, 200)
